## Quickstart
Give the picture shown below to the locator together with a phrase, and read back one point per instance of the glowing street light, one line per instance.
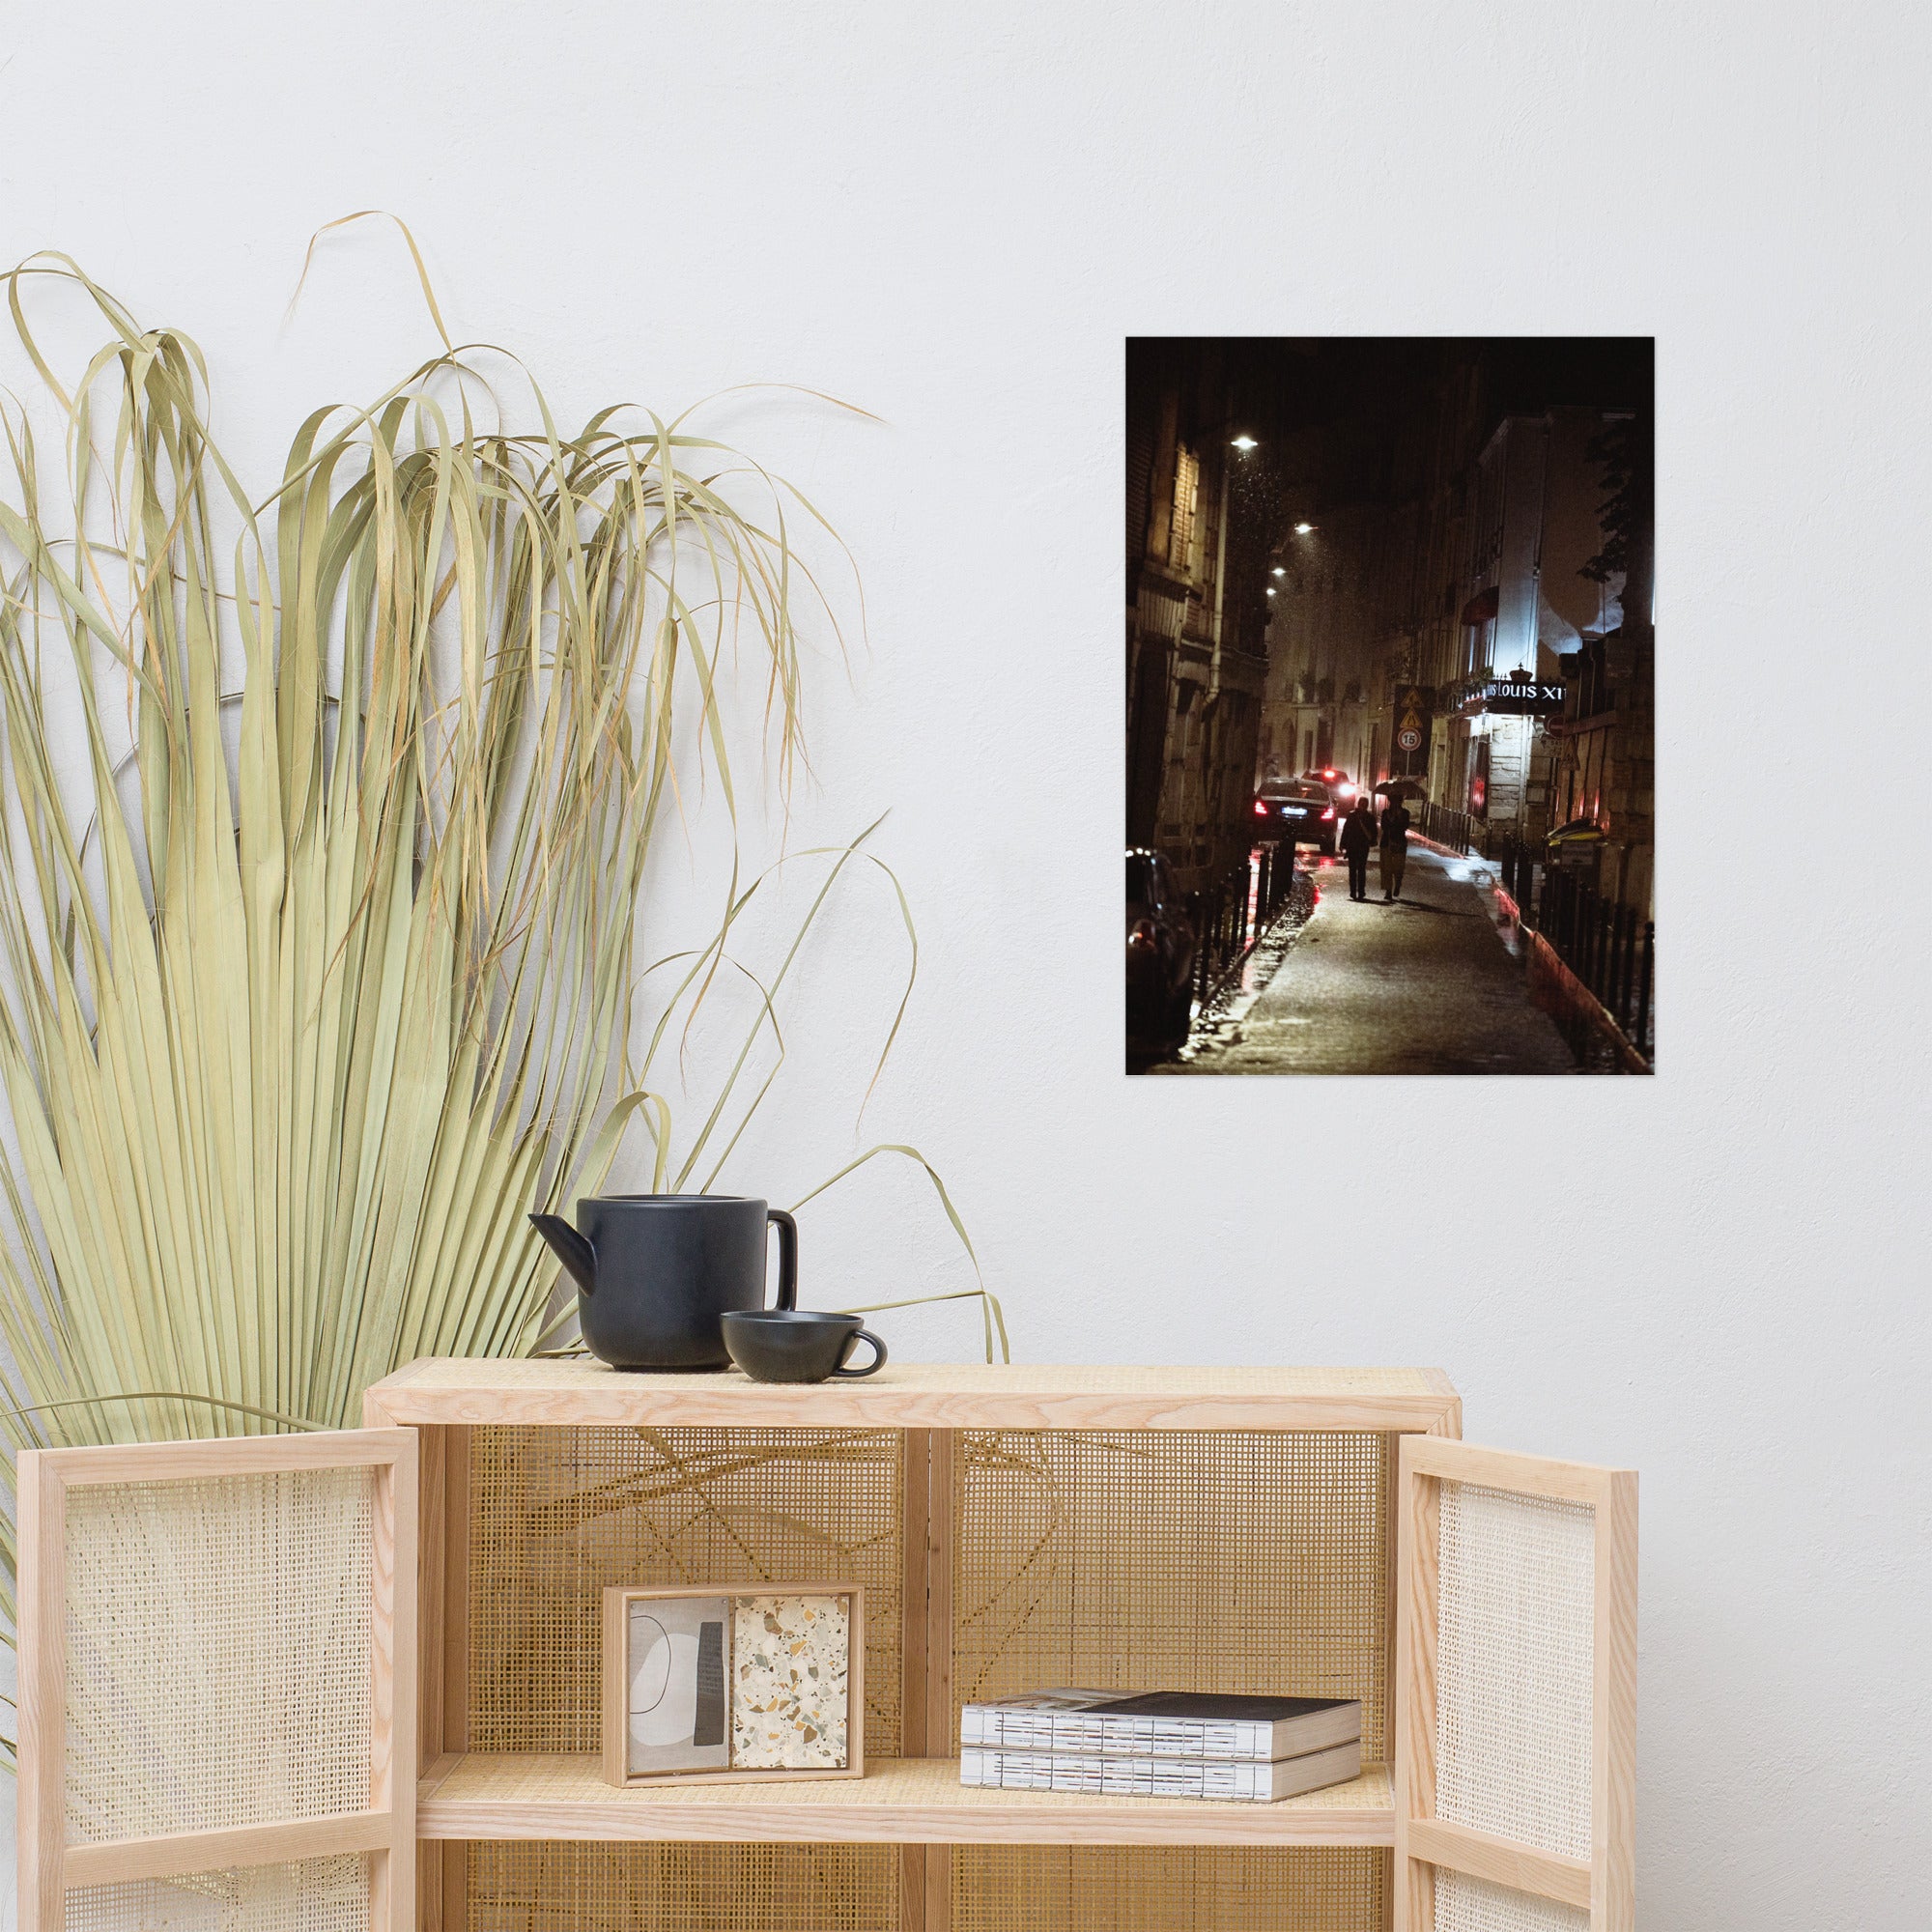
(1279, 571)
(1303, 529)
(1270, 589)
(1245, 444)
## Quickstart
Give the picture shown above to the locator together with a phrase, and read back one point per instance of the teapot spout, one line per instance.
(570, 1248)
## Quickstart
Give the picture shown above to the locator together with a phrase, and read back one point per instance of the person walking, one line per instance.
(1358, 839)
(1395, 847)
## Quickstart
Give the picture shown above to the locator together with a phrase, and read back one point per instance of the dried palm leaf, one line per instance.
(293, 1030)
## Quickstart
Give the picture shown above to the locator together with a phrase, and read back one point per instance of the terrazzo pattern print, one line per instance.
(790, 1658)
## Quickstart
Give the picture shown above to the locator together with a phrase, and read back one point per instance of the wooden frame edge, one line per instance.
(1452, 1461)
(614, 1742)
(173, 1854)
(212, 1456)
(394, 1712)
(1412, 1780)
(1501, 1861)
(41, 1650)
(1613, 1747)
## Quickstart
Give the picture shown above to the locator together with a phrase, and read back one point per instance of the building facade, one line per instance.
(1601, 747)
(1328, 624)
(1442, 611)
(1196, 657)
(1526, 608)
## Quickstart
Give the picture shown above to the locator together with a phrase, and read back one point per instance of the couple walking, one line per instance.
(1360, 834)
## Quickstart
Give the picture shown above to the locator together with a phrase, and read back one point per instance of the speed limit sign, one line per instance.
(1410, 741)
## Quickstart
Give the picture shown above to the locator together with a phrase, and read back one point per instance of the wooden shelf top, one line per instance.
(899, 1801)
(921, 1396)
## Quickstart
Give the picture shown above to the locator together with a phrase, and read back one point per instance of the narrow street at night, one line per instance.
(1388, 593)
(1426, 985)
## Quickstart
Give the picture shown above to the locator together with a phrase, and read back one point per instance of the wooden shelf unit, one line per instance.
(1307, 1530)
(916, 1800)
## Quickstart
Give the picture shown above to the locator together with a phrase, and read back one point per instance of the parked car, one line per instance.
(1302, 811)
(1341, 787)
(1268, 796)
(1160, 956)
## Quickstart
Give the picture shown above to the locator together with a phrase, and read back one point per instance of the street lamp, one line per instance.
(1279, 571)
(1245, 444)
(1303, 529)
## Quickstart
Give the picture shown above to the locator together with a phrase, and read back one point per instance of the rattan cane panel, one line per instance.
(1108, 1889)
(533, 1886)
(1464, 1904)
(558, 1514)
(313, 1895)
(217, 1650)
(1514, 1667)
(1249, 1561)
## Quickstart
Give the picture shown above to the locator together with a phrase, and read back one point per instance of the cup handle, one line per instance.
(872, 1367)
(787, 1257)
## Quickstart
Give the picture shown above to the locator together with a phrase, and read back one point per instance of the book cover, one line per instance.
(1162, 1724)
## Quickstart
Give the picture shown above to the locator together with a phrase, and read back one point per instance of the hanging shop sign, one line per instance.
(1408, 739)
(1510, 697)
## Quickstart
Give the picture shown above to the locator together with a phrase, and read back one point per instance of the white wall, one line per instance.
(953, 218)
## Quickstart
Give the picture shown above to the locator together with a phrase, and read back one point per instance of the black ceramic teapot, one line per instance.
(654, 1272)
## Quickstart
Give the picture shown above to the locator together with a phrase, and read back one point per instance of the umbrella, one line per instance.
(1403, 788)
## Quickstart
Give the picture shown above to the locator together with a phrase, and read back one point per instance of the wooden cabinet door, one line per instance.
(217, 1684)
(1515, 1692)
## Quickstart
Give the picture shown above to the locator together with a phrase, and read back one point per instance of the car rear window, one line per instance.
(1140, 879)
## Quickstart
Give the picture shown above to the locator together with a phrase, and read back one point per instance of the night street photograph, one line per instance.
(1390, 714)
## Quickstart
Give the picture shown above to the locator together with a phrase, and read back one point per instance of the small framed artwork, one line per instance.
(764, 1684)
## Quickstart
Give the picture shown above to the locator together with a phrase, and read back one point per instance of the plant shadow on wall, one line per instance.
(321, 972)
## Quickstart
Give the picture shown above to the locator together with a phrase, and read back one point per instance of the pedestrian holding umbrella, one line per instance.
(1394, 844)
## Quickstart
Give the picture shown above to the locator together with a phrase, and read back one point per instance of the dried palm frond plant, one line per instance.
(319, 972)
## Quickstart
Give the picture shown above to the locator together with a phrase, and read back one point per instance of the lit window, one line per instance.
(1187, 502)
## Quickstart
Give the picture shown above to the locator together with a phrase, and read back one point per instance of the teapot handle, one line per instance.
(787, 1257)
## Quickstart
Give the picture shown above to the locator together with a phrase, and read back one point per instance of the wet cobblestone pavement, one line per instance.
(1424, 985)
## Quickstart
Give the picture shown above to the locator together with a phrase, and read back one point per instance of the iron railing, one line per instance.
(1232, 913)
(1450, 828)
(1607, 946)
(1516, 872)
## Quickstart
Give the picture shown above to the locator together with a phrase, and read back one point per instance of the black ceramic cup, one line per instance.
(791, 1345)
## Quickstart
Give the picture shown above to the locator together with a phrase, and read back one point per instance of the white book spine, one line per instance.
(1010, 1728)
(1116, 1776)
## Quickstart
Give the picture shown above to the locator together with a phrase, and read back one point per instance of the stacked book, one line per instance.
(1164, 1743)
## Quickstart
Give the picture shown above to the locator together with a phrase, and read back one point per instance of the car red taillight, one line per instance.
(1261, 809)
(1329, 813)
(1145, 936)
